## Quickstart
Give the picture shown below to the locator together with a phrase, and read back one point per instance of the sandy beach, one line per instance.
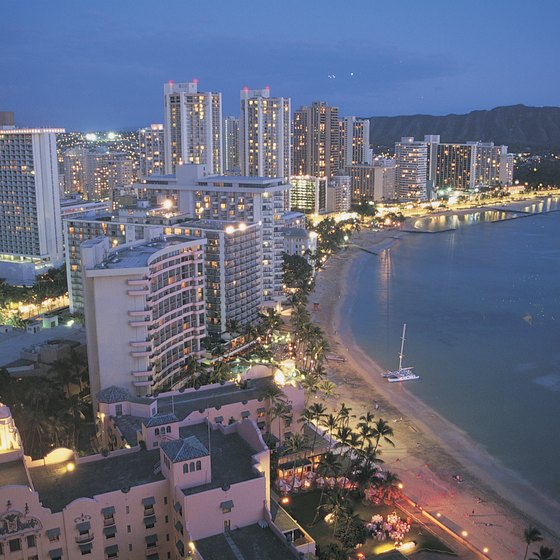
(493, 504)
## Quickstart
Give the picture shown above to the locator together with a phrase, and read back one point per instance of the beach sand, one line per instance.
(493, 504)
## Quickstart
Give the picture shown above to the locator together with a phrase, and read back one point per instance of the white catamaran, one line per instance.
(403, 373)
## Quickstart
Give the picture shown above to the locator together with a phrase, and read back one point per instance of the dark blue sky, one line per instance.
(101, 64)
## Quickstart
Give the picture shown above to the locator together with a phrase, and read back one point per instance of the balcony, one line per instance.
(137, 282)
(138, 292)
(141, 323)
(141, 354)
(142, 383)
(84, 539)
(143, 373)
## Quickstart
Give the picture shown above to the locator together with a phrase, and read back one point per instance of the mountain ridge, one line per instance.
(521, 127)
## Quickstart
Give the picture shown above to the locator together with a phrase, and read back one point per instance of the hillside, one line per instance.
(517, 126)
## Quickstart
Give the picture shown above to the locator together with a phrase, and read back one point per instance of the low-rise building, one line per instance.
(139, 503)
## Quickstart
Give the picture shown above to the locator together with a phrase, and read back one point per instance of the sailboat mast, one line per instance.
(401, 353)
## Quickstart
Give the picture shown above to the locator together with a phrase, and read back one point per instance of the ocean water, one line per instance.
(482, 307)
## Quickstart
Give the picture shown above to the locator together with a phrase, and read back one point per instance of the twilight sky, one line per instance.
(101, 65)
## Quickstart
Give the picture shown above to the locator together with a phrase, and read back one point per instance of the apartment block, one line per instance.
(151, 150)
(145, 302)
(264, 134)
(316, 141)
(193, 126)
(30, 219)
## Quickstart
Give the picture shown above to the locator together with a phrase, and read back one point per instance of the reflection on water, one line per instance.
(482, 311)
(454, 221)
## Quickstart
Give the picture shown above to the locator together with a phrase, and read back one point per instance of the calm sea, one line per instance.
(482, 307)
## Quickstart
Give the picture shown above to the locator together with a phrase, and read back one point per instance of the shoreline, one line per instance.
(430, 449)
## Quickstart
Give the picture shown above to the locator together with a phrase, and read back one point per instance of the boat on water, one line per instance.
(403, 373)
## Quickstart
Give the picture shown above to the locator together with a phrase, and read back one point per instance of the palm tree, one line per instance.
(382, 429)
(328, 388)
(282, 411)
(310, 384)
(531, 535)
(331, 423)
(273, 394)
(336, 505)
(296, 445)
(65, 374)
(343, 414)
(314, 414)
(328, 466)
(544, 553)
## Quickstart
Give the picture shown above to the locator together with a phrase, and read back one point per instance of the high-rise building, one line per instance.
(492, 165)
(193, 127)
(316, 140)
(455, 167)
(230, 198)
(95, 172)
(233, 261)
(308, 194)
(384, 176)
(151, 150)
(354, 142)
(30, 219)
(411, 169)
(264, 134)
(339, 194)
(150, 298)
(465, 166)
(361, 181)
(231, 145)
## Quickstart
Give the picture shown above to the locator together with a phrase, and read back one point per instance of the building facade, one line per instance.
(411, 159)
(200, 480)
(231, 198)
(231, 145)
(339, 194)
(264, 134)
(151, 150)
(354, 142)
(94, 173)
(150, 299)
(308, 194)
(30, 219)
(316, 141)
(232, 258)
(193, 127)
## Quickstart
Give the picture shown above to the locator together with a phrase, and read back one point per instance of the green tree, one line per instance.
(351, 531)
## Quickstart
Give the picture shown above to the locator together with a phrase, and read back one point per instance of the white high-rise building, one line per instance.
(264, 134)
(193, 127)
(231, 145)
(354, 142)
(145, 303)
(411, 168)
(30, 218)
(151, 148)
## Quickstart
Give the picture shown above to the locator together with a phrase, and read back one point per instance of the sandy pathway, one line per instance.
(488, 504)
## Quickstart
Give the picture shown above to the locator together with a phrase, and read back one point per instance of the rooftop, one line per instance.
(57, 487)
(230, 457)
(252, 542)
(13, 472)
(184, 404)
(159, 419)
(137, 256)
(184, 449)
(129, 426)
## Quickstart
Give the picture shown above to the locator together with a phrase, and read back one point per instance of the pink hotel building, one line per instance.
(185, 475)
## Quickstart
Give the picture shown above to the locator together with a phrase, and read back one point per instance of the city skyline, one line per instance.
(406, 60)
